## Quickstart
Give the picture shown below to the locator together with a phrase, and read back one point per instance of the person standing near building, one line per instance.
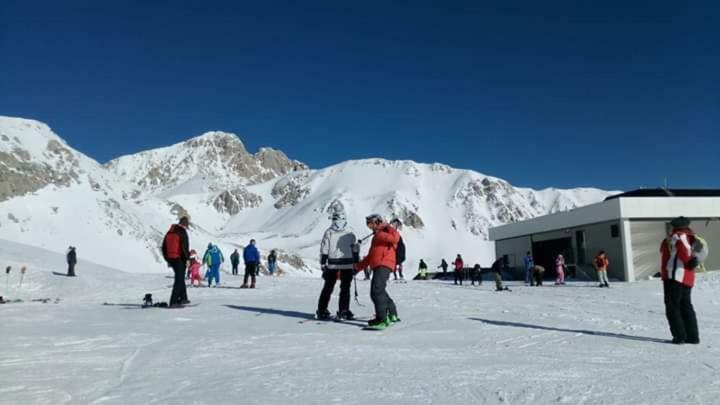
(337, 261)
(444, 266)
(679, 260)
(529, 264)
(71, 261)
(476, 274)
(423, 270)
(235, 262)
(381, 258)
(560, 270)
(176, 251)
(601, 264)
(459, 265)
(538, 272)
(251, 256)
(272, 262)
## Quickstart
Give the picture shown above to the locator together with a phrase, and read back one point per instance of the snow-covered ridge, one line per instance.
(55, 196)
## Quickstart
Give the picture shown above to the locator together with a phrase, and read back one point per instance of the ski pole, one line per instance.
(356, 292)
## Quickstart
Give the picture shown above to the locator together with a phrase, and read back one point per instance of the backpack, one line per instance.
(171, 245)
(700, 251)
(400, 254)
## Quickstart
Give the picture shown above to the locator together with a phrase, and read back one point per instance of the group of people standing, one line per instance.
(185, 261)
(534, 273)
(340, 260)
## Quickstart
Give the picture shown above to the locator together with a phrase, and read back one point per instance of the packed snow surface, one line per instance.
(576, 344)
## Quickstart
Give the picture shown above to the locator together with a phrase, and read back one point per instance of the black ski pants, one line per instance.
(235, 269)
(680, 312)
(179, 291)
(330, 277)
(71, 270)
(538, 277)
(476, 276)
(384, 305)
(458, 277)
(250, 269)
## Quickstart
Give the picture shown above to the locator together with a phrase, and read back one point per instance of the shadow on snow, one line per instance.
(582, 331)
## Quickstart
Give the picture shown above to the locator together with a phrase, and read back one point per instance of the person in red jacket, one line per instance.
(678, 275)
(382, 260)
(459, 266)
(176, 251)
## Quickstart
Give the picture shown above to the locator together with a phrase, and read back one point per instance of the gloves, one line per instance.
(692, 263)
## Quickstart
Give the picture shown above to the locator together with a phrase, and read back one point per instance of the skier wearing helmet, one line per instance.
(382, 259)
(336, 261)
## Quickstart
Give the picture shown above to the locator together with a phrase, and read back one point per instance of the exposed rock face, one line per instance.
(233, 201)
(290, 190)
(20, 174)
(218, 159)
(406, 212)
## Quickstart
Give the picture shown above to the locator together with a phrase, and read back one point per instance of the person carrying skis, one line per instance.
(251, 256)
(400, 259)
(176, 252)
(235, 262)
(71, 261)
(529, 264)
(459, 265)
(337, 260)
(195, 267)
(601, 264)
(681, 253)
(444, 266)
(272, 262)
(381, 258)
(423, 270)
(213, 259)
(560, 270)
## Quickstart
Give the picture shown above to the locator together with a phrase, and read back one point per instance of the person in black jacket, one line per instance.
(235, 261)
(176, 251)
(400, 253)
(71, 261)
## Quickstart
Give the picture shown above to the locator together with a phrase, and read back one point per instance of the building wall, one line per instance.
(648, 234)
(597, 237)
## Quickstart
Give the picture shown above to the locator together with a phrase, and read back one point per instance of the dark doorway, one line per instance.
(546, 252)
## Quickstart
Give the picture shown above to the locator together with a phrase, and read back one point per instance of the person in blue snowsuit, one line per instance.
(529, 264)
(251, 256)
(213, 259)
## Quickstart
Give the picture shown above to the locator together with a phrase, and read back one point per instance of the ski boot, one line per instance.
(322, 315)
(393, 318)
(252, 285)
(345, 315)
(244, 286)
(378, 324)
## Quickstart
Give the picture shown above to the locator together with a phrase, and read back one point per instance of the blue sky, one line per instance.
(610, 94)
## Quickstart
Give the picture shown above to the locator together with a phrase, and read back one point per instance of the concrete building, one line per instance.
(629, 227)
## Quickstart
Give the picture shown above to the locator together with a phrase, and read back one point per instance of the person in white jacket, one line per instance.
(337, 258)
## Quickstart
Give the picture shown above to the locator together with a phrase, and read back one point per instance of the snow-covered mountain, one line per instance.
(53, 196)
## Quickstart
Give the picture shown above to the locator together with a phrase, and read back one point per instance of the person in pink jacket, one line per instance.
(195, 268)
(560, 270)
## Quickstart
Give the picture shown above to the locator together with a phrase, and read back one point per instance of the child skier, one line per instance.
(194, 268)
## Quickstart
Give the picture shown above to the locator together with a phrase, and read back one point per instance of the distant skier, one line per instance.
(400, 259)
(538, 272)
(476, 275)
(444, 266)
(381, 258)
(272, 262)
(529, 264)
(251, 256)
(337, 260)
(423, 270)
(601, 264)
(560, 270)
(213, 259)
(235, 262)
(175, 249)
(195, 268)
(459, 265)
(71, 261)
(497, 267)
(681, 253)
